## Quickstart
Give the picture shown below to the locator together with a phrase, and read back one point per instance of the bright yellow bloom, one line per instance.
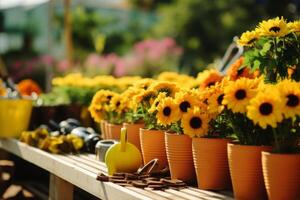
(165, 86)
(167, 112)
(195, 122)
(238, 94)
(183, 80)
(266, 109)
(144, 83)
(97, 112)
(290, 92)
(294, 26)
(2, 89)
(276, 27)
(215, 97)
(146, 96)
(248, 38)
(156, 102)
(208, 78)
(117, 104)
(185, 101)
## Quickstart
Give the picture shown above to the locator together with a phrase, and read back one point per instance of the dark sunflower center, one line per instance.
(275, 29)
(184, 106)
(195, 122)
(109, 97)
(251, 41)
(240, 94)
(265, 108)
(167, 111)
(293, 100)
(168, 91)
(240, 71)
(220, 99)
(211, 84)
(118, 103)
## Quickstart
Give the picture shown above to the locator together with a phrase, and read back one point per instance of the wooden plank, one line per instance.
(60, 189)
(81, 170)
(79, 177)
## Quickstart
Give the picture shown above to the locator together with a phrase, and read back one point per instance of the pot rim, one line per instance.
(241, 145)
(126, 123)
(267, 153)
(110, 124)
(201, 138)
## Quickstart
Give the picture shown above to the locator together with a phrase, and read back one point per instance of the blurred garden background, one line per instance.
(40, 39)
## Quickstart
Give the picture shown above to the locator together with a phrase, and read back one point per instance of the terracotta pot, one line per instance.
(133, 133)
(180, 157)
(246, 171)
(211, 163)
(113, 131)
(282, 175)
(103, 129)
(153, 146)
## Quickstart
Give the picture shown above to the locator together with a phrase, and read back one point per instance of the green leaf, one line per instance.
(256, 64)
(266, 47)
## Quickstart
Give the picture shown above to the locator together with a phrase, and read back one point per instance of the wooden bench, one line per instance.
(67, 171)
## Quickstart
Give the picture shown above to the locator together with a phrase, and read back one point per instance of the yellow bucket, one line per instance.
(14, 117)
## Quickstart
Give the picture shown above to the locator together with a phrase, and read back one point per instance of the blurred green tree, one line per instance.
(205, 28)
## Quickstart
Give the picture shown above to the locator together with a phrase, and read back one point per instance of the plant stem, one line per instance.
(277, 146)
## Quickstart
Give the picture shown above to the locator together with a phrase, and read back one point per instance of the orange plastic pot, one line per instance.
(180, 157)
(133, 133)
(103, 129)
(153, 146)
(282, 175)
(211, 163)
(114, 131)
(246, 171)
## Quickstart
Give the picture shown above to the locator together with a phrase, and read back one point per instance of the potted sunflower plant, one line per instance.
(273, 49)
(276, 109)
(152, 136)
(244, 154)
(99, 107)
(133, 116)
(168, 112)
(209, 143)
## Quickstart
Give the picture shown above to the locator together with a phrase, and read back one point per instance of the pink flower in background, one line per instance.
(63, 66)
(47, 60)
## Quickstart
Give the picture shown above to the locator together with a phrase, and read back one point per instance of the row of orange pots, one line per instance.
(217, 164)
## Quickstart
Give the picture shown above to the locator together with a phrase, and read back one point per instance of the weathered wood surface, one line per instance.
(81, 170)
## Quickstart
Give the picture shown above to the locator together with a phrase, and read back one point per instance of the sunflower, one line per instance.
(117, 104)
(276, 27)
(97, 112)
(294, 26)
(185, 101)
(195, 122)
(266, 109)
(167, 112)
(248, 38)
(102, 97)
(144, 83)
(290, 91)
(156, 102)
(165, 86)
(2, 89)
(208, 78)
(214, 100)
(238, 94)
(145, 96)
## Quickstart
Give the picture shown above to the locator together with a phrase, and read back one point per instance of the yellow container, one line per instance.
(14, 117)
(123, 156)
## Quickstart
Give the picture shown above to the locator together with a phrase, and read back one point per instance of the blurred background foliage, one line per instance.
(202, 30)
